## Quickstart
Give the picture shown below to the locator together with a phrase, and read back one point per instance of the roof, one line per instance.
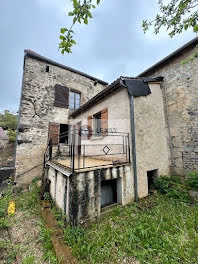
(171, 56)
(109, 89)
(37, 56)
(3, 134)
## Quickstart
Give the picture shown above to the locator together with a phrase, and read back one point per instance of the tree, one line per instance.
(8, 121)
(81, 13)
(176, 16)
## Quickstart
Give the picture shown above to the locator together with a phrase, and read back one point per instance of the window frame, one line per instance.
(95, 123)
(75, 92)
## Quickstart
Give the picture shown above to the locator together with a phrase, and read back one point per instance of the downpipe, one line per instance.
(134, 147)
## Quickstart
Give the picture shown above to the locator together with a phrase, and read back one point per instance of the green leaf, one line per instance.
(73, 41)
(62, 37)
(70, 14)
(89, 14)
(63, 30)
(195, 28)
(86, 21)
(186, 26)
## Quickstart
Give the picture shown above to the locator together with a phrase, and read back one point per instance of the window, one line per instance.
(74, 100)
(61, 96)
(100, 122)
(97, 123)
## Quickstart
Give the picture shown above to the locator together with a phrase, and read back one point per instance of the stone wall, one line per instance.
(180, 90)
(37, 110)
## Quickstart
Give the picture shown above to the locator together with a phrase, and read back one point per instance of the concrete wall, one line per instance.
(37, 110)
(181, 95)
(79, 195)
(151, 137)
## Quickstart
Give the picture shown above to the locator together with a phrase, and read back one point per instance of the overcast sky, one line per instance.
(113, 44)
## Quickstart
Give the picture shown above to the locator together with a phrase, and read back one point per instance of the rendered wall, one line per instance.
(151, 137)
(150, 127)
(118, 121)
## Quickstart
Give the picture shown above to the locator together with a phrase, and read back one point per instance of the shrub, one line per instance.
(173, 187)
(192, 180)
(12, 135)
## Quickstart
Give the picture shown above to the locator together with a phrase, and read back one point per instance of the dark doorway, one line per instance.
(108, 192)
(151, 176)
(63, 136)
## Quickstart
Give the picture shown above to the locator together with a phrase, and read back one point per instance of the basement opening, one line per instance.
(151, 176)
(108, 192)
(63, 137)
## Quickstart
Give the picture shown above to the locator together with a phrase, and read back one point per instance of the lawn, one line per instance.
(166, 232)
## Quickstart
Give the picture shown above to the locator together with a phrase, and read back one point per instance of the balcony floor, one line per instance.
(89, 163)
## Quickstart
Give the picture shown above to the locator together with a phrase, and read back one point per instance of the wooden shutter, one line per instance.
(61, 96)
(89, 122)
(54, 133)
(104, 120)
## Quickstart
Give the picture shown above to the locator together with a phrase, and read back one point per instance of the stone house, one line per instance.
(114, 158)
(50, 92)
(180, 88)
(104, 145)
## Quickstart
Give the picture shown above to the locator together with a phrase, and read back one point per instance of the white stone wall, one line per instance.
(37, 110)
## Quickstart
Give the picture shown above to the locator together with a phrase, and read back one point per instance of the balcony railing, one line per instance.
(82, 151)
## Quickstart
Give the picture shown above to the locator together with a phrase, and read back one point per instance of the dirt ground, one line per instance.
(21, 240)
(24, 231)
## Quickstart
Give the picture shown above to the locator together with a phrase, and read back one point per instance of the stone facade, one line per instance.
(180, 89)
(37, 110)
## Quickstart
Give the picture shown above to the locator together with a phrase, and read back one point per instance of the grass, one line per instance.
(167, 233)
(29, 203)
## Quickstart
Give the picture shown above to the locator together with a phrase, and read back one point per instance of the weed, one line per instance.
(28, 260)
(173, 187)
(47, 197)
(4, 200)
(166, 233)
(45, 239)
(30, 199)
(192, 180)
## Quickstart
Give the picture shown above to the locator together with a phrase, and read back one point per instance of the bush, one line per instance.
(12, 135)
(192, 180)
(173, 187)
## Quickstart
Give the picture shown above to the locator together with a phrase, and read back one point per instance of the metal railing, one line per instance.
(82, 151)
